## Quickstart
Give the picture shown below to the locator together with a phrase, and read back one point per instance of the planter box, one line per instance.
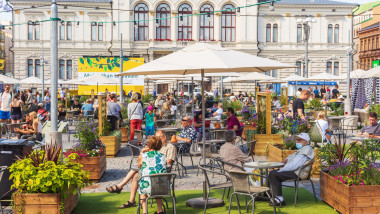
(349, 199)
(112, 145)
(124, 134)
(43, 203)
(247, 127)
(277, 155)
(263, 140)
(95, 165)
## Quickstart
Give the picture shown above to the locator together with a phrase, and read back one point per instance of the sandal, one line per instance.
(114, 189)
(128, 205)
(163, 212)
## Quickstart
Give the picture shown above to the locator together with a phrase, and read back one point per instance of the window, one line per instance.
(30, 30)
(298, 69)
(268, 33)
(69, 69)
(62, 31)
(275, 33)
(206, 32)
(141, 22)
(377, 42)
(61, 69)
(68, 30)
(336, 34)
(330, 34)
(328, 67)
(272, 73)
(299, 33)
(336, 68)
(33, 30)
(30, 68)
(365, 45)
(228, 23)
(185, 26)
(100, 31)
(361, 46)
(36, 30)
(37, 67)
(93, 31)
(163, 18)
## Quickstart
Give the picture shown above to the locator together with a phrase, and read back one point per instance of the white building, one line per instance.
(93, 28)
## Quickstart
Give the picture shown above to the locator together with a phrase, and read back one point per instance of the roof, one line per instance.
(365, 7)
(308, 2)
(376, 25)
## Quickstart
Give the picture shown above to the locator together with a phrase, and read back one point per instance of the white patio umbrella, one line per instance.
(374, 72)
(325, 76)
(8, 80)
(294, 78)
(96, 80)
(31, 81)
(358, 74)
(204, 58)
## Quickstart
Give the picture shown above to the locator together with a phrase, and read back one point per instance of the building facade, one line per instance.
(151, 29)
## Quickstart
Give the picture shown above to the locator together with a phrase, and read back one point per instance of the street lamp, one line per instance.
(305, 22)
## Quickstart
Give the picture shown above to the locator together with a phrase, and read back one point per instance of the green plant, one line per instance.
(106, 129)
(289, 142)
(283, 100)
(374, 108)
(337, 109)
(315, 104)
(124, 113)
(236, 105)
(146, 98)
(83, 99)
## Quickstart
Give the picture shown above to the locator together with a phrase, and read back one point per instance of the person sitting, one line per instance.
(249, 100)
(373, 129)
(173, 106)
(333, 100)
(32, 130)
(33, 107)
(340, 98)
(324, 100)
(198, 126)
(231, 153)
(61, 112)
(218, 113)
(76, 107)
(170, 153)
(276, 103)
(292, 167)
(233, 122)
(87, 107)
(165, 111)
(213, 108)
(187, 99)
(324, 125)
(188, 134)
(232, 97)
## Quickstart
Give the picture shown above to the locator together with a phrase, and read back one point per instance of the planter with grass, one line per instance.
(351, 181)
(112, 143)
(45, 183)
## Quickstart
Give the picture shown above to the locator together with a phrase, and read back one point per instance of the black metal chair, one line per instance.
(135, 150)
(306, 168)
(90, 115)
(162, 186)
(212, 157)
(206, 169)
(2, 169)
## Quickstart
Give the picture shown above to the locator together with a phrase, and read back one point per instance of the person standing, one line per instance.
(135, 114)
(335, 92)
(323, 91)
(16, 109)
(216, 91)
(29, 97)
(316, 92)
(113, 111)
(47, 100)
(62, 95)
(150, 119)
(5, 103)
(298, 105)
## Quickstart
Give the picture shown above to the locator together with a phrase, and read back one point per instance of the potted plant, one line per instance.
(90, 151)
(46, 183)
(110, 139)
(316, 106)
(336, 109)
(350, 182)
(125, 130)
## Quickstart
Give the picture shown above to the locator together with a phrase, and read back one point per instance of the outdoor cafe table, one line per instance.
(262, 166)
(336, 122)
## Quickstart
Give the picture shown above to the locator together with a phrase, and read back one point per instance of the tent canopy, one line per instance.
(325, 76)
(8, 80)
(32, 81)
(254, 76)
(295, 78)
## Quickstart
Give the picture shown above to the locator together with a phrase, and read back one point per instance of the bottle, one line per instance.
(174, 139)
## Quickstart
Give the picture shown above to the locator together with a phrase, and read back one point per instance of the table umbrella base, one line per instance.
(200, 203)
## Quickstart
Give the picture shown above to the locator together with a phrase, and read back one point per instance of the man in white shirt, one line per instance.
(62, 94)
(5, 103)
(276, 103)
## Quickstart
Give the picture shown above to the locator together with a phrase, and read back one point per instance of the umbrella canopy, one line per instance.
(358, 74)
(207, 58)
(8, 80)
(254, 76)
(60, 82)
(294, 78)
(97, 79)
(230, 74)
(32, 81)
(374, 72)
(325, 76)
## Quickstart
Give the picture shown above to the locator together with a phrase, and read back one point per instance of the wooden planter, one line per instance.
(247, 127)
(43, 203)
(124, 134)
(277, 155)
(112, 145)
(95, 165)
(263, 140)
(349, 199)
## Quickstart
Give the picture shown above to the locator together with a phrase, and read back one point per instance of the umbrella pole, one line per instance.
(203, 119)
(192, 98)
(221, 88)
(97, 88)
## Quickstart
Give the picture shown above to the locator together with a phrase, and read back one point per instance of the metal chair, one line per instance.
(162, 186)
(2, 169)
(212, 157)
(223, 163)
(240, 181)
(251, 147)
(161, 123)
(206, 169)
(305, 170)
(90, 115)
(135, 150)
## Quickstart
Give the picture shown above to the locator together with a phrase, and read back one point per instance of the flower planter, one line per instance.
(349, 199)
(124, 134)
(43, 203)
(112, 145)
(263, 140)
(277, 155)
(247, 127)
(95, 165)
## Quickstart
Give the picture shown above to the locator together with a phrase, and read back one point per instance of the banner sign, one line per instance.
(311, 83)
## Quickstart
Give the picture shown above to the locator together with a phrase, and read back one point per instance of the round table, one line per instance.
(263, 165)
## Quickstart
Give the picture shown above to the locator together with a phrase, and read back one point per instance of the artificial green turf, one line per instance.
(109, 203)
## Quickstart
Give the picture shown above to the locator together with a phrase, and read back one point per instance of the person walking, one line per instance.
(5, 105)
(135, 115)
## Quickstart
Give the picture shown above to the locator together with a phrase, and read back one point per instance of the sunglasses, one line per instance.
(184, 120)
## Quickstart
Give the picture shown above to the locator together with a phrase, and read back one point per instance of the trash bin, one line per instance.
(9, 150)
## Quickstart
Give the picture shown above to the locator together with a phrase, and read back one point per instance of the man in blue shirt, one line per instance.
(292, 167)
(87, 107)
(154, 93)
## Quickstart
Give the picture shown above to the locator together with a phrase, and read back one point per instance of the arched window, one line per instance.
(275, 33)
(163, 18)
(62, 31)
(328, 67)
(100, 31)
(330, 34)
(30, 30)
(299, 33)
(206, 31)
(36, 30)
(93, 31)
(141, 22)
(61, 69)
(69, 67)
(336, 34)
(30, 68)
(228, 23)
(185, 22)
(268, 32)
(68, 31)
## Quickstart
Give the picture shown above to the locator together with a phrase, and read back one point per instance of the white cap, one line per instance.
(341, 97)
(304, 136)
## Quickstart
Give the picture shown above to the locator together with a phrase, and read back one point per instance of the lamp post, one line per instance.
(305, 23)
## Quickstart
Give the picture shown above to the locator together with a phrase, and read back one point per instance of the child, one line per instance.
(150, 119)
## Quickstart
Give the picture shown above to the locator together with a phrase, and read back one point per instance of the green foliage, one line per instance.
(374, 108)
(86, 132)
(315, 104)
(124, 113)
(289, 142)
(146, 98)
(110, 65)
(283, 100)
(236, 106)
(106, 129)
(83, 99)
(116, 133)
(337, 109)
(261, 123)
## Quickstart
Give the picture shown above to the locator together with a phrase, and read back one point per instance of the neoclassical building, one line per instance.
(151, 29)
